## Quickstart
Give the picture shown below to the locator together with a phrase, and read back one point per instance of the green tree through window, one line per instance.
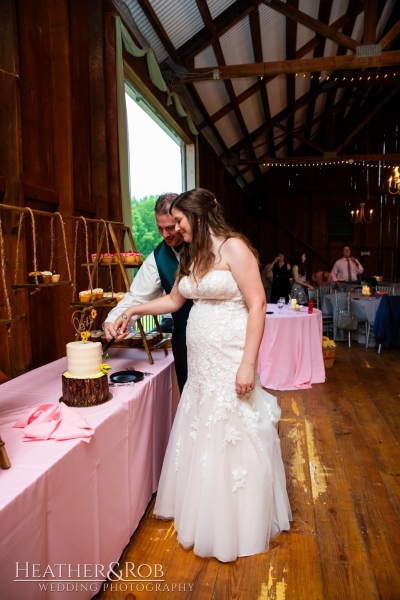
(145, 232)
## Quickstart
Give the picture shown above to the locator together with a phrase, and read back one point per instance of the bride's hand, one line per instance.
(244, 379)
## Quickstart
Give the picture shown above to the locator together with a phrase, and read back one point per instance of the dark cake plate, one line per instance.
(126, 376)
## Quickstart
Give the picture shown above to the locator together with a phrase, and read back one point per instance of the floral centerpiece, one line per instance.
(328, 351)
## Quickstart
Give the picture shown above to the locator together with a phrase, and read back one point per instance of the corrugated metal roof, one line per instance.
(300, 116)
(236, 44)
(273, 34)
(229, 129)
(339, 8)
(304, 35)
(146, 30)
(242, 84)
(206, 58)
(276, 90)
(253, 112)
(320, 104)
(237, 49)
(331, 48)
(181, 19)
(216, 7)
(213, 94)
(212, 140)
(384, 18)
(358, 28)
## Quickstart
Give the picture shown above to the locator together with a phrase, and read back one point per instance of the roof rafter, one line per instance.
(370, 116)
(255, 29)
(301, 17)
(304, 65)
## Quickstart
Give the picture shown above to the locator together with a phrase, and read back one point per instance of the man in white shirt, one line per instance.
(346, 269)
(156, 275)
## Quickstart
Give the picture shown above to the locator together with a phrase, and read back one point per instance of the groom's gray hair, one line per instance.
(163, 203)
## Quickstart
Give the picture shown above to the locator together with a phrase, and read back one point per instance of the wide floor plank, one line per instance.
(340, 446)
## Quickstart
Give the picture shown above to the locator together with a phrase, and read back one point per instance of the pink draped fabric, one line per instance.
(74, 503)
(54, 421)
(290, 355)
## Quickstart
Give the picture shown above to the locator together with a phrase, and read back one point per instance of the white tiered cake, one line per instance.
(84, 360)
(83, 384)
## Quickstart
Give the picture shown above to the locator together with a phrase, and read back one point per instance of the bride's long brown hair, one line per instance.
(204, 214)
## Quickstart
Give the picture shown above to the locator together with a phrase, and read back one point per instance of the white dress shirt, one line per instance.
(340, 270)
(145, 286)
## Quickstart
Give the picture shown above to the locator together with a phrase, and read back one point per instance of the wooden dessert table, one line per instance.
(75, 503)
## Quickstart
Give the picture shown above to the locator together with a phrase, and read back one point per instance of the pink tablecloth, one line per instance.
(290, 354)
(78, 503)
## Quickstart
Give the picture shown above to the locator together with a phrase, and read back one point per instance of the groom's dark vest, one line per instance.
(167, 265)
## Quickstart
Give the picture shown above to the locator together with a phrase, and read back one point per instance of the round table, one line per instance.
(290, 355)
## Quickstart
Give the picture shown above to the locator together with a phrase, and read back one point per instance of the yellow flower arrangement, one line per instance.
(327, 343)
(93, 314)
(85, 335)
(104, 368)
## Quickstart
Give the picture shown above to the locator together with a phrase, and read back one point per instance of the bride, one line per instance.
(223, 480)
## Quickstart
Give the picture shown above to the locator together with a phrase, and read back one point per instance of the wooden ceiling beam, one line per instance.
(323, 16)
(227, 19)
(206, 15)
(305, 65)
(291, 36)
(300, 17)
(299, 137)
(371, 115)
(255, 30)
(390, 36)
(370, 15)
(151, 15)
(307, 160)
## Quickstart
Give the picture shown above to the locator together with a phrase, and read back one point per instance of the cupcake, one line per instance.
(129, 258)
(120, 296)
(114, 257)
(106, 258)
(138, 258)
(98, 293)
(46, 275)
(96, 335)
(35, 277)
(85, 296)
(55, 277)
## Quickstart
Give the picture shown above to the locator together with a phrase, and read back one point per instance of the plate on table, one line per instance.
(126, 376)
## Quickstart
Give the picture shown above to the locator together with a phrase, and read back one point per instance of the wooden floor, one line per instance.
(340, 444)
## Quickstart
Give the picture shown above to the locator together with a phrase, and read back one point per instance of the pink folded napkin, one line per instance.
(54, 421)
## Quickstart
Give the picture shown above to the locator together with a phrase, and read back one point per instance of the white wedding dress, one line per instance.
(223, 480)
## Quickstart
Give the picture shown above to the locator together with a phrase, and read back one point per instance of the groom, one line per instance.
(156, 275)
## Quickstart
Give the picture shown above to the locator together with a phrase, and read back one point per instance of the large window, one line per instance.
(157, 164)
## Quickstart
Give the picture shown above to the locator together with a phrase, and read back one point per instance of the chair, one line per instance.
(389, 289)
(387, 321)
(327, 320)
(364, 326)
(342, 306)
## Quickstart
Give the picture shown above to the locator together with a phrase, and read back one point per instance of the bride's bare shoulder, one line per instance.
(235, 245)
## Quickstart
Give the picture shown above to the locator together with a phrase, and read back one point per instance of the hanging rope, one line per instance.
(98, 258)
(65, 244)
(87, 253)
(34, 241)
(75, 251)
(21, 219)
(3, 272)
(108, 252)
(51, 243)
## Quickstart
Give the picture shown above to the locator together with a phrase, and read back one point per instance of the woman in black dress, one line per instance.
(282, 273)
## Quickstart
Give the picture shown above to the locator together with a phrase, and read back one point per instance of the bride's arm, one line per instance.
(166, 304)
(244, 268)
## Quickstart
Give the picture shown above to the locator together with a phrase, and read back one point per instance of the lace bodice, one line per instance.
(216, 285)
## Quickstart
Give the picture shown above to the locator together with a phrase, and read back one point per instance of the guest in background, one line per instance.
(267, 278)
(346, 269)
(322, 278)
(281, 273)
(300, 286)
